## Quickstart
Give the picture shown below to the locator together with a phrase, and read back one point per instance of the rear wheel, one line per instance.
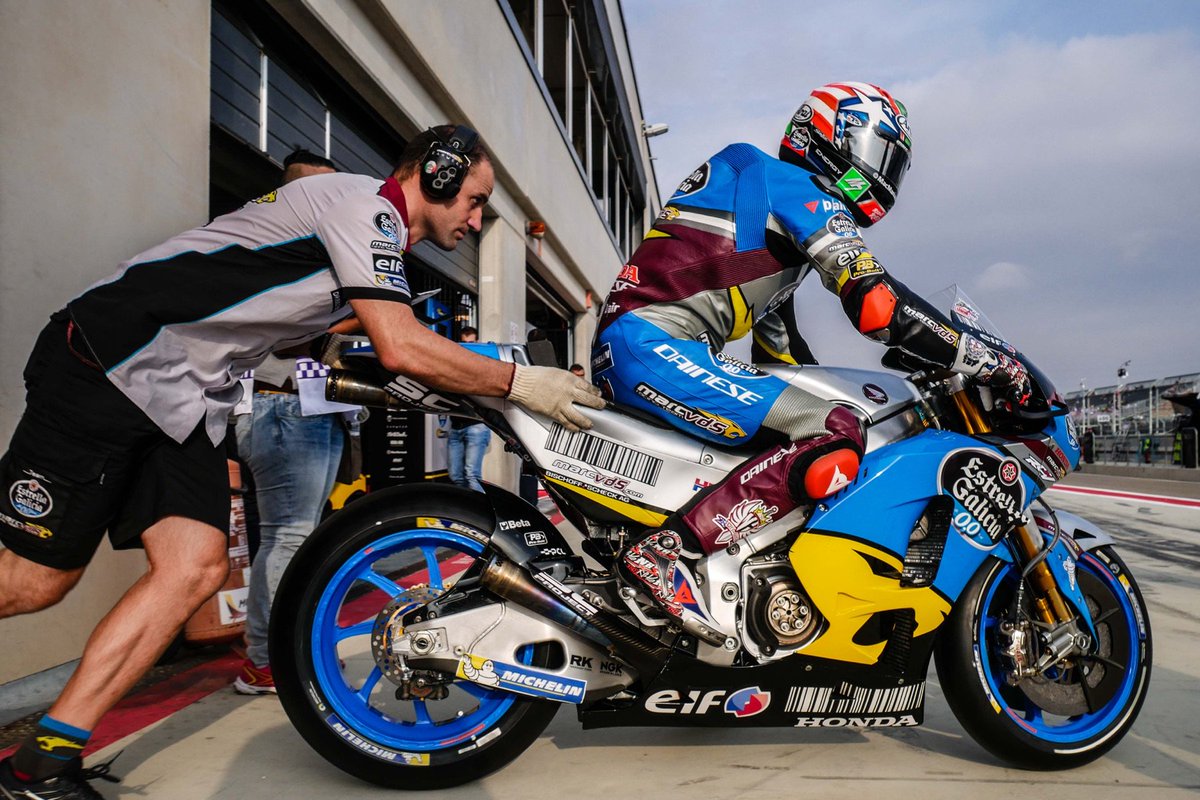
(1074, 713)
(396, 549)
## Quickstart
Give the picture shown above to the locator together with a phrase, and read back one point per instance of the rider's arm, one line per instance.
(777, 338)
(880, 306)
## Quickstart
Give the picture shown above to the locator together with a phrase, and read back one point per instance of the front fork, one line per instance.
(1054, 633)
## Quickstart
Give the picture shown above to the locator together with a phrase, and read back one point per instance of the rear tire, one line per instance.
(401, 544)
(1062, 720)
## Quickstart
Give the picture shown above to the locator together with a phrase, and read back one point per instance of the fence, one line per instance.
(1162, 449)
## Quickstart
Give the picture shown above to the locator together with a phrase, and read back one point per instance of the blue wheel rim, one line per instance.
(1063, 730)
(353, 704)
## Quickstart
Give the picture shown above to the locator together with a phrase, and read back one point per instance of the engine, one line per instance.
(779, 617)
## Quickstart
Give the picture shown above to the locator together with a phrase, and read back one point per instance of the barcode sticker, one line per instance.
(851, 700)
(605, 454)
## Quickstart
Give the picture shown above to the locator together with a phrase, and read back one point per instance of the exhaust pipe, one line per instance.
(358, 389)
(640, 650)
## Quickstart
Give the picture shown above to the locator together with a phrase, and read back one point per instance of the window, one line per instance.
(277, 107)
(569, 50)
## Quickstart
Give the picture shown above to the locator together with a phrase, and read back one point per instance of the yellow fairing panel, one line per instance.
(839, 579)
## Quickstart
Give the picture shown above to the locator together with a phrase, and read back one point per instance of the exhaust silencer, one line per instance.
(560, 604)
(358, 389)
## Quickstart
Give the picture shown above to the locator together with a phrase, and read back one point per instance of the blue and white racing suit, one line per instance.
(722, 261)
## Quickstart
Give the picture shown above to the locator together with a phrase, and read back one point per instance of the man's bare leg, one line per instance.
(188, 563)
(26, 587)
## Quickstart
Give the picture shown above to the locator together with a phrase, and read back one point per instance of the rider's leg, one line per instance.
(760, 491)
(721, 400)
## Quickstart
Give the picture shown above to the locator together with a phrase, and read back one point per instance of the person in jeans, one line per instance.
(293, 459)
(467, 441)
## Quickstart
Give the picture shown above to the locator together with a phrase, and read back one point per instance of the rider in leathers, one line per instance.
(722, 261)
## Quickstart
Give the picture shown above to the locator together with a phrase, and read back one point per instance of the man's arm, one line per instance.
(404, 345)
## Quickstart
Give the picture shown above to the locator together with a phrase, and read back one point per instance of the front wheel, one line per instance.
(1074, 713)
(394, 550)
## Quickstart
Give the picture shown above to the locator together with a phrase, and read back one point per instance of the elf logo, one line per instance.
(741, 703)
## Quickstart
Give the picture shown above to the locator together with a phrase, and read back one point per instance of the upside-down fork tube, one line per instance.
(974, 421)
(1048, 600)
(641, 651)
(1051, 608)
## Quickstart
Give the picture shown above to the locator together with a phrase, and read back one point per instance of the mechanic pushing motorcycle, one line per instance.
(722, 260)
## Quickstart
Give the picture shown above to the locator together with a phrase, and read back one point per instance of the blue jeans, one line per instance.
(294, 461)
(464, 449)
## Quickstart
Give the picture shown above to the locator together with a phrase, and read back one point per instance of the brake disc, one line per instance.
(389, 627)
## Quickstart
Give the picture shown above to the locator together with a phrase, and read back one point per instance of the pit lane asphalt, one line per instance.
(228, 746)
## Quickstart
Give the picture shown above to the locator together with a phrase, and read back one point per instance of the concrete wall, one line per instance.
(103, 152)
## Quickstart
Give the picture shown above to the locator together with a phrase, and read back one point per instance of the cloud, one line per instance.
(1066, 162)
(1003, 276)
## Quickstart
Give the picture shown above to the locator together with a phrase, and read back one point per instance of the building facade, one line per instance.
(125, 122)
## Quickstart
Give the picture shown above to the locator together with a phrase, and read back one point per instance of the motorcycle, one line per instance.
(425, 635)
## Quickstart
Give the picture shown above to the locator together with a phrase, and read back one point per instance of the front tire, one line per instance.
(402, 545)
(1059, 720)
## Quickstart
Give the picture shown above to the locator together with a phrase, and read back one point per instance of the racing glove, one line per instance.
(993, 368)
(553, 392)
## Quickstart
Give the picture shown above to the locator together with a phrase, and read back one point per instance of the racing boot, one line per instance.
(660, 568)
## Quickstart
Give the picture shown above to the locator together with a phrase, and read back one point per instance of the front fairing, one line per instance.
(987, 479)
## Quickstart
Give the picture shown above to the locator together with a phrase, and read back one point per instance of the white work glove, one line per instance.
(553, 392)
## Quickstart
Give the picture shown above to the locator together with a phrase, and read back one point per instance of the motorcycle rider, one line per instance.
(721, 261)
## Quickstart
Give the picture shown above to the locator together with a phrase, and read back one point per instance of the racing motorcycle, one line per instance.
(425, 635)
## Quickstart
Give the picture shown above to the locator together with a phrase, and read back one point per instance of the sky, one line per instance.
(1056, 156)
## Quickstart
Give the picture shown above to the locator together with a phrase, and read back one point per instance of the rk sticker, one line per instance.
(30, 498)
(989, 493)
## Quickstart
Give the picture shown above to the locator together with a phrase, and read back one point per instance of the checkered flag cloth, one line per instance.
(307, 368)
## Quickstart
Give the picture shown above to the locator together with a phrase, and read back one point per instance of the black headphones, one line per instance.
(445, 165)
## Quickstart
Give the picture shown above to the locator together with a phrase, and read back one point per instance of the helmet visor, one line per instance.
(884, 156)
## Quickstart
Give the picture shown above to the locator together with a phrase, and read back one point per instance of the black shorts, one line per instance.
(84, 459)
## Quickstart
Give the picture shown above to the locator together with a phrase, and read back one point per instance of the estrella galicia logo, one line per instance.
(387, 226)
(694, 182)
(30, 498)
(841, 225)
(989, 495)
(747, 702)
